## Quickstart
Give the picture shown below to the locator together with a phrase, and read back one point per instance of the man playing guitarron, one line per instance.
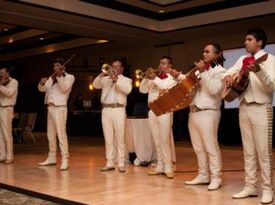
(256, 114)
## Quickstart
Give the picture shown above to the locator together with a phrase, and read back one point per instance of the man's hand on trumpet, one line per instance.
(174, 72)
(151, 73)
(43, 81)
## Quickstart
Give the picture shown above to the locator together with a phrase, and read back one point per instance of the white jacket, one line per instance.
(262, 83)
(57, 93)
(153, 87)
(123, 87)
(208, 95)
(8, 93)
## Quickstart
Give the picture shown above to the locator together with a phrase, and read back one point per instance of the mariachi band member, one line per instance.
(115, 88)
(8, 95)
(256, 114)
(204, 117)
(57, 87)
(161, 126)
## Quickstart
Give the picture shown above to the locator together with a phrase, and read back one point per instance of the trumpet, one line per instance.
(107, 69)
(144, 74)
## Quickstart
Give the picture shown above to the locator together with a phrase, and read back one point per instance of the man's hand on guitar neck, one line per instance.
(228, 80)
(253, 68)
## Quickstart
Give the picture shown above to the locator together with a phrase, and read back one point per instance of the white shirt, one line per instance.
(261, 84)
(8, 93)
(111, 96)
(57, 93)
(153, 87)
(208, 95)
(113, 92)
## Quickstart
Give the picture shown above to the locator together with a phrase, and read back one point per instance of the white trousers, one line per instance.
(6, 140)
(203, 128)
(56, 126)
(113, 123)
(256, 129)
(161, 131)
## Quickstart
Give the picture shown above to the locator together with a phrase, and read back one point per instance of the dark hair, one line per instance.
(259, 34)
(168, 58)
(119, 60)
(5, 68)
(59, 60)
(217, 50)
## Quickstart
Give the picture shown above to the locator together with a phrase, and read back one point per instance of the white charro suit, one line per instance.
(56, 98)
(8, 95)
(114, 100)
(160, 126)
(204, 118)
(256, 121)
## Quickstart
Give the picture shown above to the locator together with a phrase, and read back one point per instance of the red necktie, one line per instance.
(247, 61)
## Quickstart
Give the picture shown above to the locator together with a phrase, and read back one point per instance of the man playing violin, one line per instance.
(161, 126)
(8, 95)
(256, 114)
(115, 88)
(204, 117)
(57, 87)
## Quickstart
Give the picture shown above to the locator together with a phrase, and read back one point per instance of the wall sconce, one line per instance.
(137, 83)
(91, 86)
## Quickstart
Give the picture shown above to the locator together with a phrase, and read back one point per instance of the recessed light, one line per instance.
(10, 40)
(161, 11)
(41, 39)
(5, 29)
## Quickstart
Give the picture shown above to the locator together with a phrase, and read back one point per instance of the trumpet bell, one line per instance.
(105, 68)
(139, 74)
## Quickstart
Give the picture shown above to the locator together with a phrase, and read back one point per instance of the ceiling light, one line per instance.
(10, 40)
(5, 29)
(41, 39)
(161, 11)
(102, 41)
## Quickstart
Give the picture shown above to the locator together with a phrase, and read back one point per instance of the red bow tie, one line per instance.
(206, 66)
(248, 61)
(162, 75)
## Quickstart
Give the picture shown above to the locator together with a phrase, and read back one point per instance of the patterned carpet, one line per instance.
(12, 198)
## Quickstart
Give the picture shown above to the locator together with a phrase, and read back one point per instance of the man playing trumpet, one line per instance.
(8, 95)
(161, 126)
(57, 87)
(115, 88)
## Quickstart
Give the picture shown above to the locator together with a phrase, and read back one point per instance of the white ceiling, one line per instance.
(124, 29)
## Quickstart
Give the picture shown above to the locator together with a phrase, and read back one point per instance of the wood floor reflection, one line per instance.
(84, 183)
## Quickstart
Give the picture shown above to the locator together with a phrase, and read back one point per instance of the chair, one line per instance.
(17, 131)
(29, 125)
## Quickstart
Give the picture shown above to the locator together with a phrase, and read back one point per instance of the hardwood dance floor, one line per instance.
(84, 183)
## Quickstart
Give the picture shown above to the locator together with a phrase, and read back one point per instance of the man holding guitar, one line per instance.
(204, 117)
(160, 126)
(256, 113)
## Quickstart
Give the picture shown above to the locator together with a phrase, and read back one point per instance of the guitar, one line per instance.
(241, 81)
